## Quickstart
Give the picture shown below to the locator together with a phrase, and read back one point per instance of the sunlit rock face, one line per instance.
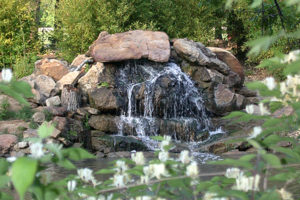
(154, 46)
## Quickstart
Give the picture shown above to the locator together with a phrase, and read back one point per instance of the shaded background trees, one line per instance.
(77, 23)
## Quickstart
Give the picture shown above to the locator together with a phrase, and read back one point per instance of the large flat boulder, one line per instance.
(53, 68)
(136, 44)
(230, 60)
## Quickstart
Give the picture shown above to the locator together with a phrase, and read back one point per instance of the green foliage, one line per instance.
(23, 174)
(18, 31)
(78, 26)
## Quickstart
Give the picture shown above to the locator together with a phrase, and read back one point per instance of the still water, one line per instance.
(97, 164)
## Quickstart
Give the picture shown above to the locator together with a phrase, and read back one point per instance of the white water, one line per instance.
(185, 105)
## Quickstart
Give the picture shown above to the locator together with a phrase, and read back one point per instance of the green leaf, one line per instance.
(271, 159)
(157, 138)
(23, 174)
(8, 91)
(274, 195)
(45, 130)
(4, 180)
(106, 171)
(282, 176)
(77, 154)
(4, 165)
(256, 3)
(261, 44)
(23, 88)
(66, 164)
(4, 196)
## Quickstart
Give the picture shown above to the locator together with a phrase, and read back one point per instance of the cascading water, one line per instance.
(161, 99)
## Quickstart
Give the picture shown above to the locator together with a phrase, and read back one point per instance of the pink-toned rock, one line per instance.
(79, 59)
(136, 44)
(7, 141)
(13, 126)
(53, 68)
(13, 104)
(230, 60)
(67, 79)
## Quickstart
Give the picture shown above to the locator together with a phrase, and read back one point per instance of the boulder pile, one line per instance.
(216, 73)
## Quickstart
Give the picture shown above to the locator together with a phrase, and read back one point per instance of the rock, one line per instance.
(53, 101)
(57, 111)
(233, 80)
(240, 101)
(136, 44)
(92, 111)
(105, 100)
(79, 59)
(53, 68)
(22, 145)
(100, 155)
(283, 112)
(39, 117)
(253, 100)
(247, 93)
(7, 141)
(61, 123)
(197, 53)
(224, 99)
(56, 133)
(230, 60)
(13, 105)
(104, 123)
(82, 112)
(13, 126)
(106, 143)
(30, 133)
(42, 87)
(97, 74)
(67, 79)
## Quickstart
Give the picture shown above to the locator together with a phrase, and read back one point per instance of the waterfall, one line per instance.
(161, 99)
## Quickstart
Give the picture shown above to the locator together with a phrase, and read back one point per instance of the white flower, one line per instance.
(165, 142)
(120, 180)
(184, 157)
(121, 166)
(36, 150)
(11, 159)
(192, 170)
(285, 195)
(283, 88)
(6, 75)
(213, 196)
(143, 198)
(232, 172)
(250, 109)
(158, 170)
(256, 131)
(263, 110)
(71, 185)
(291, 57)
(138, 158)
(245, 183)
(86, 175)
(270, 83)
(163, 156)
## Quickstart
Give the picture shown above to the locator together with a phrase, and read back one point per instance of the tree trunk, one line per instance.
(70, 97)
(280, 14)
